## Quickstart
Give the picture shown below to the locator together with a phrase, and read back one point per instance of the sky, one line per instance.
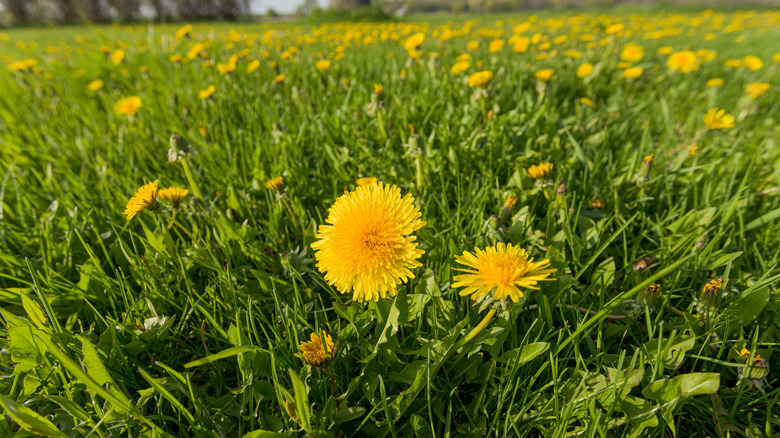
(281, 6)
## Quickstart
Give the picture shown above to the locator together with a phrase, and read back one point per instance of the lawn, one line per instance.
(553, 225)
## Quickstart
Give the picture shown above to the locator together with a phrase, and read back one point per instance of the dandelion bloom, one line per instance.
(712, 287)
(226, 68)
(173, 194)
(510, 202)
(544, 75)
(693, 150)
(22, 65)
(752, 62)
(718, 119)
(278, 79)
(254, 65)
(368, 246)
(145, 197)
(128, 106)
(414, 41)
(322, 65)
(633, 72)
(95, 85)
(368, 180)
(378, 89)
(195, 50)
(175, 58)
(117, 56)
(665, 50)
(586, 101)
(584, 70)
(733, 63)
(540, 171)
(495, 46)
(757, 89)
(760, 367)
(632, 52)
(275, 183)
(460, 67)
(714, 82)
(501, 270)
(480, 78)
(615, 29)
(472, 45)
(313, 352)
(208, 92)
(183, 31)
(684, 61)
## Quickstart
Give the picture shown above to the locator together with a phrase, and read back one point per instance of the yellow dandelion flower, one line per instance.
(173, 194)
(254, 65)
(718, 119)
(510, 202)
(378, 89)
(584, 70)
(757, 89)
(760, 367)
(633, 72)
(472, 45)
(117, 56)
(208, 92)
(365, 181)
(226, 68)
(414, 41)
(278, 79)
(733, 63)
(480, 78)
(22, 65)
(175, 58)
(632, 52)
(368, 246)
(684, 61)
(501, 270)
(195, 50)
(313, 352)
(322, 65)
(145, 198)
(460, 67)
(540, 171)
(694, 148)
(495, 46)
(545, 75)
(752, 62)
(714, 82)
(586, 101)
(128, 106)
(665, 50)
(183, 31)
(712, 287)
(95, 85)
(275, 183)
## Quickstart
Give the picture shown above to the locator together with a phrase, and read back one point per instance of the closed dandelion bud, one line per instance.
(597, 204)
(758, 369)
(649, 294)
(711, 289)
(179, 148)
(644, 170)
(506, 210)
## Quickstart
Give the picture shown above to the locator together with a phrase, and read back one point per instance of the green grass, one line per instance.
(146, 328)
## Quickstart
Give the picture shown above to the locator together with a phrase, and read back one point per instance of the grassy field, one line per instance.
(658, 213)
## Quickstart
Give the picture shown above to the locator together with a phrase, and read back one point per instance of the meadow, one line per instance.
(564, 224)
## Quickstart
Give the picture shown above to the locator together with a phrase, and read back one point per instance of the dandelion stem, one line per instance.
(190, 179)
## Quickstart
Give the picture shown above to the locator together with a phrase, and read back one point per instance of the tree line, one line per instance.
(21, 12)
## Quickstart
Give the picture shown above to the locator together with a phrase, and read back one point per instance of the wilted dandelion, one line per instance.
(718, 119)
(275, 183)
(128, 106)
(314, 351)
(501, 270)
(540, 171)
(145, 198)
(367, 246)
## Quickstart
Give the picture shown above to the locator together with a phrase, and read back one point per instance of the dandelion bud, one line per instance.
(179, 148)
(649, 294)
(711, 289)
(758, 369)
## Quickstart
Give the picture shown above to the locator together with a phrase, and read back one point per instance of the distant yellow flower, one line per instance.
(128, 106)
(501, 270)
(322, 65)
(22, 65)
(540, 171)
(414, 41)
(718, 119)
(752, 62)
(278, 79)
(195, 50)
(757, 89)
(145, 197)
(510, 202)
(632, 52)
(175, 58)
(226, 68)
(472, 45)
(173, 194)
(584, 70)
(460, 67)
(776, 57)
(275, 183)
(714, 82)
(117, 56)
(615, 29)
(95, 85)
(495, 46)
(665, 50)
(254, 65)
(684, 61)
(586, 101)
(712, 288)
(733, 63)
(367, 245)
(480, 78)
(378, 89)
(545, 75)
(368, 180)
(183, 31)
(633, 72)
(313, 352)
(648, 159)
(694, 148)
(208, 92)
